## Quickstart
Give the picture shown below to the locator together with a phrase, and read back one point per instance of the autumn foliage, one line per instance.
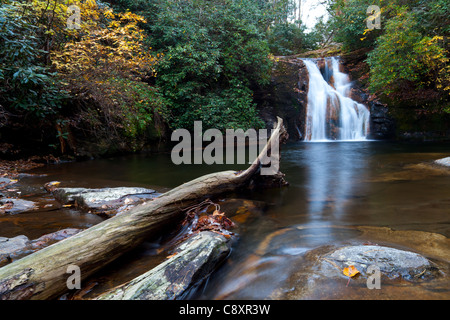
(108, 65)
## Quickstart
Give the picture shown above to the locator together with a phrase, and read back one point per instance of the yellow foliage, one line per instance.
(110, 42)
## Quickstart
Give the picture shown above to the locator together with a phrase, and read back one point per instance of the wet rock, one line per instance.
(286, 96)
(192, 262)
(20, 246)
(106, 201)
(382, 125)
(53, 237)
(15, 205)
(319, 274)
(4, 181)
(10, 248)
(443, 162)
(391, 262)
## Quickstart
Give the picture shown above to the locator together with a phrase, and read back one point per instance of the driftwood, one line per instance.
(44, 274)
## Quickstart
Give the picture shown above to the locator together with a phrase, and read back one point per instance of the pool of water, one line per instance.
(334, 188)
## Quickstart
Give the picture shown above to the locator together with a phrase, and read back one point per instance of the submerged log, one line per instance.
(44, 274)
(193, 261)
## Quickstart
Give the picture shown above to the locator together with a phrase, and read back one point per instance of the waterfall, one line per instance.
(331, 113)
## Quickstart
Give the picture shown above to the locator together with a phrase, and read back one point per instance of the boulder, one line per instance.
(390, 261)
(105, 201)
(399, 274)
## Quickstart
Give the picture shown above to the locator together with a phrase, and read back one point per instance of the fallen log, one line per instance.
(193, 261)
(44, 274)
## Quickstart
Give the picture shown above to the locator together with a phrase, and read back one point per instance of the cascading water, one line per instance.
(331, 113)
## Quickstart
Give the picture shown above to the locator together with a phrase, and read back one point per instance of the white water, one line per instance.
(326, 103)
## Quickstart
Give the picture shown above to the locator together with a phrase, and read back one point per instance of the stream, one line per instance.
(336, 190)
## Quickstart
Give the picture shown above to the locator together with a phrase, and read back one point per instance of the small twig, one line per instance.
(334, 264)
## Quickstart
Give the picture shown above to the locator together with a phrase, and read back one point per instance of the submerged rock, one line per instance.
(20, 246)
(107, 201)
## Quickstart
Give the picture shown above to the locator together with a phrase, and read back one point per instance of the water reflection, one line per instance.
(334, 186)
(334, 175)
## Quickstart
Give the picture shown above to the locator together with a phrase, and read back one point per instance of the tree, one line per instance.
(402, 54)
(27, 85)
(107, 65)
(408, 56)
(215, 54)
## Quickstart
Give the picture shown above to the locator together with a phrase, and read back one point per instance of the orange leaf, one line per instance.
(350, 271)
(172, 255)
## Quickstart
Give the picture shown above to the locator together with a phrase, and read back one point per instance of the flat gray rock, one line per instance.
(109, 201)
(15, 205)
(20, 246)
(12, 247)
(391, 262)
(8, 245)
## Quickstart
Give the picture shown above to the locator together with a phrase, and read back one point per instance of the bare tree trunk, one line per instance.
(44, 274)
(299, 12)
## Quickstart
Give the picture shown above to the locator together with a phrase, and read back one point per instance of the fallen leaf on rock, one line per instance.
(350, 271)
(51, 186)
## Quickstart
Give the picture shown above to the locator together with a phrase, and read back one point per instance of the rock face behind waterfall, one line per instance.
(382, 125)
(286, 96)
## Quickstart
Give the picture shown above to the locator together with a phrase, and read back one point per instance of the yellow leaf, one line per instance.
(350, 271)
